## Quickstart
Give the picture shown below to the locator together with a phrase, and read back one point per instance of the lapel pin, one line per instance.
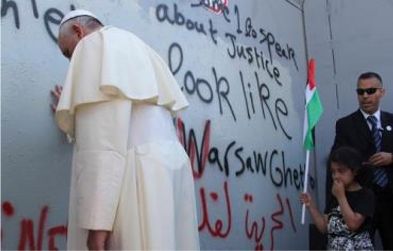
(388, 128)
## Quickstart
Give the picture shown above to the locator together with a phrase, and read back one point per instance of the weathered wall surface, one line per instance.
(347, 38)
(243, 71)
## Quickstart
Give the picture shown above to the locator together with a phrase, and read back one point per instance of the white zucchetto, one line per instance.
(77, 13)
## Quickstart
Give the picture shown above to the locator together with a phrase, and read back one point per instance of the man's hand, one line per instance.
(56, 93)
(97, 239)
(338, 189)
(381, 159)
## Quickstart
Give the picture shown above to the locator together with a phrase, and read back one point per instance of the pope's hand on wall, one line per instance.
(56, 93)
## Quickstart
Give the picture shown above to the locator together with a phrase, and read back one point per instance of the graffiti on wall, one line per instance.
(199, 154)
(255, 93)
(33, 232)
(261, 91)
(261, 231)
(51, 16)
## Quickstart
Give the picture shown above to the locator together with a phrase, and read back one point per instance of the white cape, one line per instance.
(130, 175)
(110, 64)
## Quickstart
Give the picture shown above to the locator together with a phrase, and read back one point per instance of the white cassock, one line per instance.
(130, 174)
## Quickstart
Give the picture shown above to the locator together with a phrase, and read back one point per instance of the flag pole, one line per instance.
(312, 114)
(305, 184)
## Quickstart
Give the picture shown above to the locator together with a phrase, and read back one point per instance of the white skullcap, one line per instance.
(77, 13)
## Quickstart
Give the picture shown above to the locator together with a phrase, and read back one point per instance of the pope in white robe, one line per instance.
(130, 174)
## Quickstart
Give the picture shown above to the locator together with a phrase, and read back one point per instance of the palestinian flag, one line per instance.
(313, 109)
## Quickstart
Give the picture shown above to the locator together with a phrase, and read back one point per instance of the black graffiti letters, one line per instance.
(212, 31)
(272, 108)
(214, 158)
(5, 6)
(163, 14)
(263, 36)
(245, 95)
(286, 52)
(264, 95)
(171, 52)
(271, 164)
(253, 56)
(255, 164)
(52, 16)
(238, 30)
(191, 85)
(281, 109)
(281, 174)
(250, 31)
(266, 37)
(259, 98)
(222, 89)
(276, 174)
(203, 89)
(178, 18)
(218, 89)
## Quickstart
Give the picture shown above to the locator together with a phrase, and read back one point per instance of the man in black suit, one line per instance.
(370, 131)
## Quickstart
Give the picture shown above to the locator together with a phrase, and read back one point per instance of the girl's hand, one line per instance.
(338, 189)
(305, 198)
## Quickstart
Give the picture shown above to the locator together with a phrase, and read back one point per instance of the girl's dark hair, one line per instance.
(347, 156)
(352, 159)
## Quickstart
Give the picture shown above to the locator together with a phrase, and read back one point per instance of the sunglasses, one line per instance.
(369, 91)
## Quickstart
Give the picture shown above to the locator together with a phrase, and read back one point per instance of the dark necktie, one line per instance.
(380, 175)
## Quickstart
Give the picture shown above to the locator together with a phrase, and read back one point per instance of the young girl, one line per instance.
(348, 216)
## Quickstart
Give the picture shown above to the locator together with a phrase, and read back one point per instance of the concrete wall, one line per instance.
(243, 130)
(238, 111)
(346, 38)
(35, 163)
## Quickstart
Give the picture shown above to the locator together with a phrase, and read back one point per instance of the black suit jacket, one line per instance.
(353, 131)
